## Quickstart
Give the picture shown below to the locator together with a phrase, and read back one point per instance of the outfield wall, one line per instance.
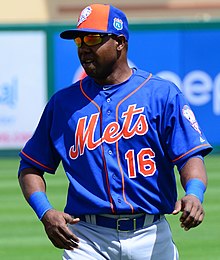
(35, 63)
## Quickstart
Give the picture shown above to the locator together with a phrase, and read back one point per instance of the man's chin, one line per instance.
(89, 71)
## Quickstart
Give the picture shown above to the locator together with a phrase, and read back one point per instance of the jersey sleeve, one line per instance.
(183, 136)
(39, 151)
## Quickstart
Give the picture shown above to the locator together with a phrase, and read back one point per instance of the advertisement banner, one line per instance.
(23, 85)
(189, 58)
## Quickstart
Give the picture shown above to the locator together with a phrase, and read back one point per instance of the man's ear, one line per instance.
(121, 42)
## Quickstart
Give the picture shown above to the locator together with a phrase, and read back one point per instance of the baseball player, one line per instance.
(119, 133)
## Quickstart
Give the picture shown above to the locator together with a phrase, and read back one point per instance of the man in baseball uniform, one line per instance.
(119, 133)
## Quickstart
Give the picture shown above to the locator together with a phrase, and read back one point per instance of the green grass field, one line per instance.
(22, 235)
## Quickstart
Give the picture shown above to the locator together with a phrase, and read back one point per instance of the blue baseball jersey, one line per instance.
(118, 144)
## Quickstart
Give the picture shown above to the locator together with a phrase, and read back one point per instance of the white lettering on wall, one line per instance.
(216, 95)
(198, 87)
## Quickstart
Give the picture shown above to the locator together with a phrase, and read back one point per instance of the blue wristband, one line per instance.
(39, 202)
(195, 187)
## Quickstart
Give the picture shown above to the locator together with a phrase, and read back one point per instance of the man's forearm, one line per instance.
(194, 168)
(31, 181)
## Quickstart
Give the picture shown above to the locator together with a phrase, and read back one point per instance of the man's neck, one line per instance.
(116, 78)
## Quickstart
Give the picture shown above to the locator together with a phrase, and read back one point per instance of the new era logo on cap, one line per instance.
(100, 18)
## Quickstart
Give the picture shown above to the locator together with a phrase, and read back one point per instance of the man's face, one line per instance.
(98, 61)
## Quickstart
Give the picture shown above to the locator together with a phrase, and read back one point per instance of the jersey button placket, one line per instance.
(109, 148)
(108, 100)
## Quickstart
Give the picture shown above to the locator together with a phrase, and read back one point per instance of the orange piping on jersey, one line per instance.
(146, 80)
(117, 149)
(84, 93)
(195, 148)
(103, 156)
(42, 165)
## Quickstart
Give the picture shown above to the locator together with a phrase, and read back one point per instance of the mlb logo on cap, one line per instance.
(118, 24)
(99, 18)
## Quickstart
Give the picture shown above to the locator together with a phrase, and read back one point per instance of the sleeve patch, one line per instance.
(189, 115)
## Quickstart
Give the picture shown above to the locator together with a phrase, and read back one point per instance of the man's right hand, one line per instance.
(55, 224)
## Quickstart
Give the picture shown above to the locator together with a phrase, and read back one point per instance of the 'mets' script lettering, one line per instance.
(84, 136)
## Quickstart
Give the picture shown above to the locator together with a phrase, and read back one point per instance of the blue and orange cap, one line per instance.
(99, 18)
